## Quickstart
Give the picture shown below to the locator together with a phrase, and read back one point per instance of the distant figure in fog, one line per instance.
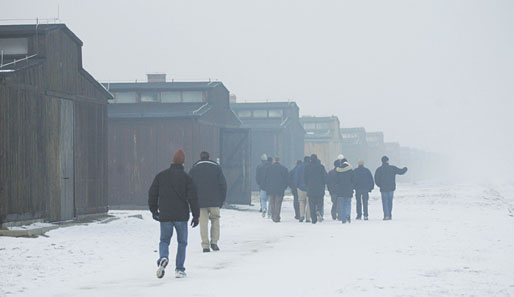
(385, 178)
(170, 198)
(315, 179)
(303, 199)
(294, 189)
(276, 181)
(342, 180)
(211, 188)
(259, 176)
(364, 184)
(331, 182)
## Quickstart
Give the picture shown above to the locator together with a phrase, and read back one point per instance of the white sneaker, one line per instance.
(180, 274)
(162, 265)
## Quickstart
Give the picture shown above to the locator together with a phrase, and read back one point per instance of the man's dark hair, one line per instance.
(270, 159)
(204, 156)
(307, 159)
(314, 157)
(385, 159)
(298, 162)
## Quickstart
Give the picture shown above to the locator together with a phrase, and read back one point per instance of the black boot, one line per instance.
(215, 247)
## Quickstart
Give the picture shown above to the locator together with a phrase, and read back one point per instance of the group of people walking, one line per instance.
(308, 181)
(174, 194)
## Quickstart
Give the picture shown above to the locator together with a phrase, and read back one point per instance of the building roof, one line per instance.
(176, 86)
(263, 105)
(157, 110)
(24, 30)
(310, 119)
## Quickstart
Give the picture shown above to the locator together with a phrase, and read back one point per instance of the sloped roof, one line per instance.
(175, 86)
(262, 105)
(157, 110)
(14, 30)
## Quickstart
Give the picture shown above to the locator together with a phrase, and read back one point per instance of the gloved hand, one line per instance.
(194, 222)
(156, 216)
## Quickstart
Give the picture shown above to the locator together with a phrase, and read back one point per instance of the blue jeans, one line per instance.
(166, 234)
(387, 203)
(345, 207)
(265, 202)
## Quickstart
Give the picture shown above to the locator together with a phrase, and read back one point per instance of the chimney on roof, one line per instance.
(233, 98)
(156, 77)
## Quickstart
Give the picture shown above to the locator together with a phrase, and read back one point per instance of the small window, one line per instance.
(309, 126)
(275, 113)
(125, 97)
(149, 97)
(323, 126)
(192, 96)
(244, 114)
(171, 97)
(14, 46)
(260, 113)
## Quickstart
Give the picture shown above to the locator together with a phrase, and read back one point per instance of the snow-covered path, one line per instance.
(443, 241)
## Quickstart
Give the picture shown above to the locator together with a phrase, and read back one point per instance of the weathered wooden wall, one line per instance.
(29, 155)
(30, 134)
(141, 148)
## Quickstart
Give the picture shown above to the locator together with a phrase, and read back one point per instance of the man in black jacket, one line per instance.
(385, 178)
(276, 181)
(364, 184)
(170, 198)
(211, 188)
(315, 178)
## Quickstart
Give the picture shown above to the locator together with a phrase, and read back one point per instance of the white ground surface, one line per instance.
(444, 241)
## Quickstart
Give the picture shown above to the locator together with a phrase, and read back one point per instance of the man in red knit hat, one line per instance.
(171, 196)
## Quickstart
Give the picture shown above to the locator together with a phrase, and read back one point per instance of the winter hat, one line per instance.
(179, 157)
(385, 159)
(361, 162)
(340, 157)
(264, 157)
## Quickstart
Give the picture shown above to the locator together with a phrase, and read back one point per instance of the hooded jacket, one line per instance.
(341, 180)
(363, 179)
(276, 179)
(315, 177)
(173, 194)
(210, 183)
(385, 177)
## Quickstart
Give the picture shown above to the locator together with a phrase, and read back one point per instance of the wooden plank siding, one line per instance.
(140, 148)
(31, 101)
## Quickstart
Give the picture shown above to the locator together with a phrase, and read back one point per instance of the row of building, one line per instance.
(71, 146)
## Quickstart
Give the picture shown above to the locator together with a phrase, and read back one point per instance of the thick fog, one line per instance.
(435, 75)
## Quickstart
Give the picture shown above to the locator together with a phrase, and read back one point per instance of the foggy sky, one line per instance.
(436, 75)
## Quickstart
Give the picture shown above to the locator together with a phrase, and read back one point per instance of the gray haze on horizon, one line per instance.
(435, 75)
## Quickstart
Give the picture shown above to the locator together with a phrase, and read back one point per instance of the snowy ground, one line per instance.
(443, 241)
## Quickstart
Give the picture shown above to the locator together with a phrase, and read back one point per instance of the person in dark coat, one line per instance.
(385, 178)
(276, 181)
(364, 184)
(211, 188)
(331, 182)
(315, 179)
(259, 176)
(171, 197)
(303, 199)
(294, 189)
(342, 187)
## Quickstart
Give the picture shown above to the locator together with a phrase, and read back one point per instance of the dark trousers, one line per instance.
(316, 205)
(335, 210)
(296, 204)
(362, 203)
(275, 203)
